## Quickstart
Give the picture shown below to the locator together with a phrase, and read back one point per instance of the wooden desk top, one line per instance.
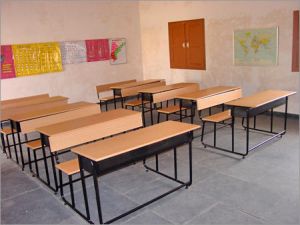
(207, 92)
(123, 143)
(137, 83)
(34, 101)
(84, 121)
(49, 111)
(12, 102)
(260, 98)
(169, 87)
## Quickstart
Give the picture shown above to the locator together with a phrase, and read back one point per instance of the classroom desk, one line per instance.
(64, 135)
(164, 93)
(30, 105)
(256, 104)
(207, 98)
(28, 122)
(114, 153)
(14, 102)
(133, 88)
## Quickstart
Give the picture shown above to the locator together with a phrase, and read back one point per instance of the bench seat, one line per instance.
(170, 109)
(70, 167)
(218, 117)
(135, 103)
(7, 131)
(34, 145)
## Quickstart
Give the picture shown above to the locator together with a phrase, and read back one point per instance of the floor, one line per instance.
(260, 189)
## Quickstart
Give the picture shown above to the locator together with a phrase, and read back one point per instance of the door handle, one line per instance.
(183, 44)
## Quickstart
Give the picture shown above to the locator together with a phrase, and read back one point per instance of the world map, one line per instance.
(255, 47)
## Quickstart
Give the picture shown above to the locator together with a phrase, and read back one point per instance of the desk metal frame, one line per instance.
(246, 113)
(100, 168)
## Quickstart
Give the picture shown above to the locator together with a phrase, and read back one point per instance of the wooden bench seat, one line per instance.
(135, 103)
(170, 109)
(70, 167)
(34, 145)
(108, 98)
(7, 131)
(218, 117)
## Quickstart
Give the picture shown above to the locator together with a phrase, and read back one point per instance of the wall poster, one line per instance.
(7, 62)
(37, 58)
(256, 46)
(73, 52)
(118, 51)
(97, 50)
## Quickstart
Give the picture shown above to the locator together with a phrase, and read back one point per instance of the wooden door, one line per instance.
(195, 36)
(177, 44)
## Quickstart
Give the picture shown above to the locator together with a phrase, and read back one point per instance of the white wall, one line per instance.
(25, 21)
(221, 19)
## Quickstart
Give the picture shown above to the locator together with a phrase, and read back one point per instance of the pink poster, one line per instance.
(97, 50)
(7, 62)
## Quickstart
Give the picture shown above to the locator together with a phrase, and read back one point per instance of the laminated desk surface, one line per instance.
(86, 121)
(123, 143)
(49, 111)
(207, 92)
(136, 83)
(260, 98)
(169, 87)
(16, 101)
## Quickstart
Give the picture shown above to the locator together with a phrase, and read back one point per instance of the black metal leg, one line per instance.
(156, 162)
(46, 164)
(15, 147)
(29, 155)
(285, 114)
(232, 133)
(215, 134)
(106, 106)
(54, 172)
(190, 164)
(254, 122)
(223, 107)
(3, 143)
(8, 146)
(86, 203)
(21, 152)
(202, 133)
(158, 117)
(61, 186)
(36, 164)
(209, 110)
(71, 190)
(180, 108)
(247, 135)
(151, 113)
(122, 102)
(97, 198)
(175, 163)
(143, 111)
(29, 159)
(167, 117)
(271, 129)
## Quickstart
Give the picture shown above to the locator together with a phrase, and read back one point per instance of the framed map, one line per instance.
(256, 46)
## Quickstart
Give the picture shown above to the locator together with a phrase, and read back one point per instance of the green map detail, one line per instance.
(254, 42)
(117, 51)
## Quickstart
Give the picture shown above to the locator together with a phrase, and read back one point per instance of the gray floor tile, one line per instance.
(14, 182)
(184, 205)
(223, 214)
(148, 217)
(35, 207)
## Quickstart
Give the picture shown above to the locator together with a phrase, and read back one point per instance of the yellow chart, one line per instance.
(37, 58)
